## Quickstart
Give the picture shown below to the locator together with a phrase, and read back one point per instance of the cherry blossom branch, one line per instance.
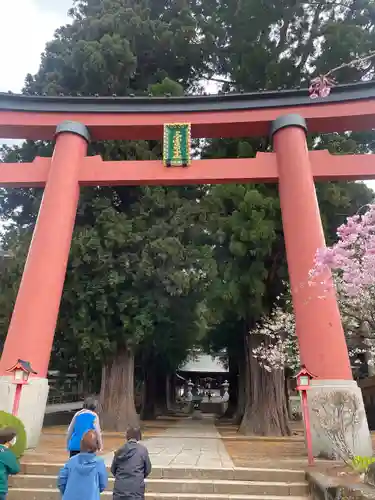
(322, 84)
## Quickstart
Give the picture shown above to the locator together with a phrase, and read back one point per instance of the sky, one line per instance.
(25, 27)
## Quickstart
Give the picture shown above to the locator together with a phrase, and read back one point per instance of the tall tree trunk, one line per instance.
(154, 396)
(149, 411)
(117, 408)
(173, 392)
(243, 380)
(170, 392)
(161, 393)
(287, 399)
(265, 410)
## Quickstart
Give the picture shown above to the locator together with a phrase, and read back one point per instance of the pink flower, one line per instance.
(352, 258)
(320, 86)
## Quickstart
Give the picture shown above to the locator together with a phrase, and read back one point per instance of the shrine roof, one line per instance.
(203, 363)
(348, 107)
(185, 104)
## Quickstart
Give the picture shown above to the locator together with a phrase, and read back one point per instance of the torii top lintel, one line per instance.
(349, 107)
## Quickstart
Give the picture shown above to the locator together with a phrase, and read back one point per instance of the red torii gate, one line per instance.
(285, 115)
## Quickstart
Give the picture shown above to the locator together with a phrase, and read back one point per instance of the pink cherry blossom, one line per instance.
(352, 258)
(320, 86)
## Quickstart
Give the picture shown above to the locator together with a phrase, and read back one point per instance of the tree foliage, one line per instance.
(277, 45)
(139, 266)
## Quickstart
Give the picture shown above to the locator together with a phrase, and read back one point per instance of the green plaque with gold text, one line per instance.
(177, 145)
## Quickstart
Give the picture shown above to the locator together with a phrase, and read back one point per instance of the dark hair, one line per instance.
(7, 434)
(89, 442)
(90, 404)
(134, 433)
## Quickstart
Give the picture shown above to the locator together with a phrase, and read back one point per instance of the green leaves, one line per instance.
(243, 222)
(139, 264)
(132, 270)
(167, 86)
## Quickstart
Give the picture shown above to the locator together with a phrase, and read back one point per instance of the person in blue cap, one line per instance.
(83, 421)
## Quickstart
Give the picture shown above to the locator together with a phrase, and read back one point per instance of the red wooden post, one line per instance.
(32, 327)
(33, 323)
(318, 323)
(319, 330)
(17, 399)
(21, 372)
(304, 378)
(306, 419)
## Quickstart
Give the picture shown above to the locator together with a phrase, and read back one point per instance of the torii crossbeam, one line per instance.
(96, 172)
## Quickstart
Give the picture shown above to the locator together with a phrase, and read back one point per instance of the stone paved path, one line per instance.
(189, 443)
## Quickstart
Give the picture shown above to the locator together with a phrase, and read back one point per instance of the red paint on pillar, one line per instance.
(306, 420)
(320, 334)
(33, 323)
(17, 399)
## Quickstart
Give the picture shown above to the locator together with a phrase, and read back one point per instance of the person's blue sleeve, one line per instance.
(62, 480)
(70, 430)
(103, 476)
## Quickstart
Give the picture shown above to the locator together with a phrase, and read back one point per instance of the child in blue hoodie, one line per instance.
(83, 421)
(84, 476)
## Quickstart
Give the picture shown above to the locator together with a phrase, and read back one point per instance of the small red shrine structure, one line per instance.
(286, 116)
(21, 372)
(304, 378)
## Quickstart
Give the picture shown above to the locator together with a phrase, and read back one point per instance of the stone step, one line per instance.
(49, 494)
(236, 474)
(188, 486)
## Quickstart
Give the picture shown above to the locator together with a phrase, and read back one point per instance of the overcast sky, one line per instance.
(25, 27)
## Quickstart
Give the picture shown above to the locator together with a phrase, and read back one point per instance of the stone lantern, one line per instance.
(225, 386)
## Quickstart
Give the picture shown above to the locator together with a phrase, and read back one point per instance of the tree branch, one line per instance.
(215, 79)
(352, 63)
(326, 4)
(309, 43)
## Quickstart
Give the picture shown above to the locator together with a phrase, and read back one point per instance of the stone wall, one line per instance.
(322, 487)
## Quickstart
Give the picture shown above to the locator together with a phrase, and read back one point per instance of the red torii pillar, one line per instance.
(319, 329)
(33, 323)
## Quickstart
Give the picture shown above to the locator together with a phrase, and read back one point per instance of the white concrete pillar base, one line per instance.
(32, 405)
(356, 435)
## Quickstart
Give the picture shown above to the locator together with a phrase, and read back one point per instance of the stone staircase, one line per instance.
(38, 482)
